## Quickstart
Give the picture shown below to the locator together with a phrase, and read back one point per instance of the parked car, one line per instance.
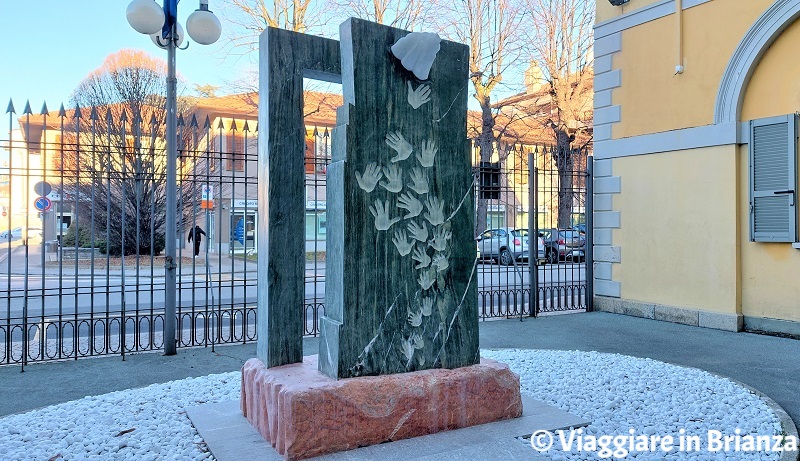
(580, 228)
(563, 244)
(505, 245)
(12, 234)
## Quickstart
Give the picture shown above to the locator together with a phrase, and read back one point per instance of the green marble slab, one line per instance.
(401, 292)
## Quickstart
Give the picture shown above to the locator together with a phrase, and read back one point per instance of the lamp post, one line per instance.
(160, 22)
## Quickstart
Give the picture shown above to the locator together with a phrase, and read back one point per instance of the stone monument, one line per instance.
(398, 352)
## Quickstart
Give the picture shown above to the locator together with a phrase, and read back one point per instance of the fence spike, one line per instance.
(316, 132)
(153, 120)
(207, 124)
(27, 110)
(124, 117)
(93, 115)
(109, 117)
(77, 113)
(233, 125)
(10, 109)
(180, 120)
(220, 125)
(193, 123)
(44, 109)
(326, 135)
(61, 111)
(246, 127)
(256, 126)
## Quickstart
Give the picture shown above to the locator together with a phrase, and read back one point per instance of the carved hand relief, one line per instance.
(417, 51)
(419, 181)
(372, 174)
(400, 241)
(394, 179)
(381, 213)
(427, 278)
(415, 318)
(421, 257)
(440, 262)
(418, 232)
(428, 153)
(397, 142)
(419, 96)
(427, 306)
(410, 203)
(440, 238)
(413, 343)
(435, 213)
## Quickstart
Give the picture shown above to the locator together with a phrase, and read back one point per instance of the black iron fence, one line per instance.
(81, 265)
(525, 191)
(83, 213)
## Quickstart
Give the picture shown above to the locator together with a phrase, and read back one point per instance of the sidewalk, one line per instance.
(766, 363)
(216, 262)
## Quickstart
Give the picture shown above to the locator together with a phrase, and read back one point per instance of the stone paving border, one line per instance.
(787, 424)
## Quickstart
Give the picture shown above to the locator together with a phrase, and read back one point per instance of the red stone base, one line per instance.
(304, 413)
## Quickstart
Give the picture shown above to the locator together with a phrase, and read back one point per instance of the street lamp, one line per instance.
(161, 23)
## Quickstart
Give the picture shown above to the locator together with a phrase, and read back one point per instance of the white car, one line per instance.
(506, 244)
(12, 234)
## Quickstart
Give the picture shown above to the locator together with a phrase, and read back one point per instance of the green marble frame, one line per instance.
(285, 58)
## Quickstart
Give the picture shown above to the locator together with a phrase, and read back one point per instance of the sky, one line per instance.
(49, 46)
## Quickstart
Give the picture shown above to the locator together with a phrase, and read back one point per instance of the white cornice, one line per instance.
(640, 16)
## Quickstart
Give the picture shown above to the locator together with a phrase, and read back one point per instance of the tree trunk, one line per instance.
(486, 148)
(565, 163)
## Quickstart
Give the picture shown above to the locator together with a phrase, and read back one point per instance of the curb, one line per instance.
(787, 425)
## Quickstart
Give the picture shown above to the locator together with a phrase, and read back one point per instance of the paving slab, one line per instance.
(230, 437)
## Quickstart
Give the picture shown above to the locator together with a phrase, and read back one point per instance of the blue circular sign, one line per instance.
(42, 203)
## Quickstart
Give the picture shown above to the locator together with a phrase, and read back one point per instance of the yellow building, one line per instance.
(696, 210)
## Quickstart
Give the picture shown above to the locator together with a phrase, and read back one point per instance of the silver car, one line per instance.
(506, 244)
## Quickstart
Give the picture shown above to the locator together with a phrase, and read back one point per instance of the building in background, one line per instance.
(218, 152)
(696, 162)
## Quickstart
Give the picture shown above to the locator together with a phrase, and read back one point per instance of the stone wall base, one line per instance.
(304, 413)
(694, 317)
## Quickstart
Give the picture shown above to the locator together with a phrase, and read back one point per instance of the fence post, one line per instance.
(589, 233)
(533, 237)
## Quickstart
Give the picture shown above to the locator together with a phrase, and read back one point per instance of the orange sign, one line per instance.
(207, 197)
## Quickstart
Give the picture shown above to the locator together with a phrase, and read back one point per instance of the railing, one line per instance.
(84, 276)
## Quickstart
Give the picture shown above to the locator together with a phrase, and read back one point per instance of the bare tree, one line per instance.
(491, 29)
(250, 17)
(115, 162)
(403, 14)
(561, 40)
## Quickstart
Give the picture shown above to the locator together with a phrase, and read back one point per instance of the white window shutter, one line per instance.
(773, 178)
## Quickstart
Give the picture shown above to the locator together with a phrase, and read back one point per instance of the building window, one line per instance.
(310, 159)
(235, 155)
(316, 225)
(773, 179)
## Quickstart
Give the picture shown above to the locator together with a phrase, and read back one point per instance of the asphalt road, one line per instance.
(51, 295)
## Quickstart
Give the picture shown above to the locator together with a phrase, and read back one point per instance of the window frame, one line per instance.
(790, 236)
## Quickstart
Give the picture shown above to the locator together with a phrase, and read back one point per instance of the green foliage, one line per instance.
(115, 248)
(83, 234)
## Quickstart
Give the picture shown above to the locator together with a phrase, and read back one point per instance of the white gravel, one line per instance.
(617, 393)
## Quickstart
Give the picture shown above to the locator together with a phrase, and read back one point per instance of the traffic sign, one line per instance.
(42, 188)
(207, 197)
(42, 203)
